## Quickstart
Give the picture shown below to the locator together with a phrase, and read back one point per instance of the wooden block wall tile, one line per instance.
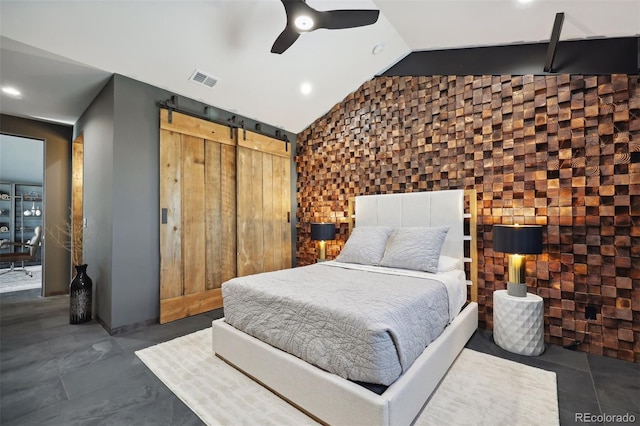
(562, 151)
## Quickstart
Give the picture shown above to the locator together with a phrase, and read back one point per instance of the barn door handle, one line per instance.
(288, 217)
(164, 216)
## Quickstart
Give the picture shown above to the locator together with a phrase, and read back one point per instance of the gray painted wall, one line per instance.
(56, 261)
(136, 235)
(97, 126)
(123, 195)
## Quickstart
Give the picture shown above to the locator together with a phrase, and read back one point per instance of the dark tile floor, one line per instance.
(54, 373)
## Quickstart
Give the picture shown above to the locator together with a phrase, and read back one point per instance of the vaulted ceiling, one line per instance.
(60, 53)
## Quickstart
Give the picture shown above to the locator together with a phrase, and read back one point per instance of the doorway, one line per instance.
(22, 200)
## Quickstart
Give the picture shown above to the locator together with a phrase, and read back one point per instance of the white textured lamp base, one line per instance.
(518, 323)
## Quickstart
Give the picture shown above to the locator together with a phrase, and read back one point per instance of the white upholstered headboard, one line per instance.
(434, 208)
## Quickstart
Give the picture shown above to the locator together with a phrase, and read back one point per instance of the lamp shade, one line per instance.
(323, 231)
(520, 239)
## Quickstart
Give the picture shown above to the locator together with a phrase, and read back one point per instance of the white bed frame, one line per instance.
(332, 399)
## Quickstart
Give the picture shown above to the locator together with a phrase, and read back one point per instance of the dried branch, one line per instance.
(68, 235)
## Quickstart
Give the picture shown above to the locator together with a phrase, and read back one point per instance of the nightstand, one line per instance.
(518, 324)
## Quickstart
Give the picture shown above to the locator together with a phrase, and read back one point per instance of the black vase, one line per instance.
(80, 296)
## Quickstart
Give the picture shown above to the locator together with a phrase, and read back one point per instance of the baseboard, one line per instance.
(126, 329)
(129, 328)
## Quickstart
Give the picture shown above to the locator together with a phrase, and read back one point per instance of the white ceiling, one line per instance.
(60, 53)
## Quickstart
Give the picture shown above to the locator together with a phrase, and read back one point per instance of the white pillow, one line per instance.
(416, 248)
(448, 263)
(365, 245)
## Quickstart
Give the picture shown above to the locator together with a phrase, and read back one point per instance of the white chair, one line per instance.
(20, 254)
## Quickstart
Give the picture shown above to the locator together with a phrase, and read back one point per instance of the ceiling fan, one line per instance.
(302, 18)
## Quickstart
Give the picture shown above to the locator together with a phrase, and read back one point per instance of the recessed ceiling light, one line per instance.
(306, 88)
(378, 48)
(11, 91)
(524, 1)
(304, 22)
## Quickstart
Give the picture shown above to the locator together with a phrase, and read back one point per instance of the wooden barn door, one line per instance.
(197, 214)
(264, 204)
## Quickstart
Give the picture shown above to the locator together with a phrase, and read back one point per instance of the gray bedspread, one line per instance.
(363, 326)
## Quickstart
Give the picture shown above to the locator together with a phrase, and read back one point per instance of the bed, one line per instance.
(383, 314)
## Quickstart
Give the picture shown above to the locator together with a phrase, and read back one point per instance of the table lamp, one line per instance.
(322, 232)
(517, 240)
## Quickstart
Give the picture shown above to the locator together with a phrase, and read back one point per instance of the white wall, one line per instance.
(21, 159)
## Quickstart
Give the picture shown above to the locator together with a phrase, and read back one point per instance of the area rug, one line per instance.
(18, 280)
(479, 389)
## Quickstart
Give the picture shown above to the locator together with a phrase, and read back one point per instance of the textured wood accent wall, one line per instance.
(560, 151)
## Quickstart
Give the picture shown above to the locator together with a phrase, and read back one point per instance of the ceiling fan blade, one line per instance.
(284, 40)
(330, 19)
(339, 19)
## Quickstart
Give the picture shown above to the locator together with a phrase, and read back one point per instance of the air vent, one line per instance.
(203, 78)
